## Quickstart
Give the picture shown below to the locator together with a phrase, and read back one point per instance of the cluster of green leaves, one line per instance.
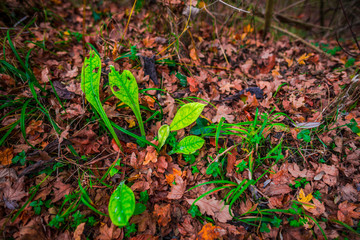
(304, 135)
(299, 183)
(184, 117)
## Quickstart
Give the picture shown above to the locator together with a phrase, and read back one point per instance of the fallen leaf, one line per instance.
(278, 189)
(346, 213)
(12, 193)
(210, 232)
(224, 111)
(170, 178)
(214, 208)
(60, 190)
(151, 155)
(6, 156)
(109, 233)
(193, 84)
(193, 54)
(305, 199)
(162, 212)
(302, 58)
(79, 231)
(269, 66)
(178, 189)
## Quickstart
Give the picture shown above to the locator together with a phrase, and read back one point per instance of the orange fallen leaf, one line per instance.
(210, 232)
(163, 214)
(193, 54)
(193, 84)
(170, 178)
(151, 155)
(6, 156)
(302, 58)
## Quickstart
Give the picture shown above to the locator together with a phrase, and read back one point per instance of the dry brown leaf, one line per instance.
(193, 84)
(60, 190)
(346, 213)
(79, 231)
(214, 208)
(278, 189)
(224, 111)
(151, 155)
(177, 191)
(162, 212)
(109, 233)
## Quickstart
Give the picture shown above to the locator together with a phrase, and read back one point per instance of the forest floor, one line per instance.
(281, 129)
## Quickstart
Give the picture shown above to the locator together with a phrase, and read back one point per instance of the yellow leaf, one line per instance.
(305, 199)
(289, 61)
(248, 29)
(130, 121)
(201, 4)
(302, 58)
(193, 54)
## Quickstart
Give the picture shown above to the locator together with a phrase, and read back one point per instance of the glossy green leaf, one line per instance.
(163, 134)
(121, 205)
(186, 115)
(127, 91)
(190, 144)
(90, 84)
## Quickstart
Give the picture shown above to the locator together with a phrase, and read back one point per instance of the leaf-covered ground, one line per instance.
(293, 173)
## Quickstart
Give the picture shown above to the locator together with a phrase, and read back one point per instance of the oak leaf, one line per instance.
(224, 111)
(214, 208)
(346, 213)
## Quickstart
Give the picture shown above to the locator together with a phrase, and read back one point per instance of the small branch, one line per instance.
(238, 9)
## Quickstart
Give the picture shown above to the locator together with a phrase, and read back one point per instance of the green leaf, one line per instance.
(121, 205)
(127, 91)
(90, 83)
(139, 208)
(190, 144)
(186, 115)
(163, 134)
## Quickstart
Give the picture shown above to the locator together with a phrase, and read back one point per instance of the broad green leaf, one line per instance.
(90, 79)
(190, 144)
(127, 91)
(121, 205)
(163, 134)
(90, 84)
(186, 115)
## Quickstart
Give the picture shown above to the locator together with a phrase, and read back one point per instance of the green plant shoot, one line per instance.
(186, 115)
(128, 92)
(90, 84)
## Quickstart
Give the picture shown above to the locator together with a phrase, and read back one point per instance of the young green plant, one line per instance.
(185, 116)
(90, 84)
(127, 91)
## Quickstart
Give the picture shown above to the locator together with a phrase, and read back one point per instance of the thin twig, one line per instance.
(238, 9)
